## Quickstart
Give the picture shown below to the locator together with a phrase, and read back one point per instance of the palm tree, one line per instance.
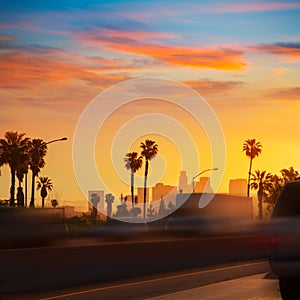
(95, 199)
(1, 161)
(252, 149)
(149, 151)
(22, 169)
(44, 184)
(13, 149)
(54, 203)
(278, 182)
(133, 163)
(262, 182)
(289, 174)
(151, 211)
(109, 199)
(38, 150)
(274, 192)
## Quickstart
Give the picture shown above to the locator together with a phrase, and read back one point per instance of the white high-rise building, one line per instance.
(183, 186)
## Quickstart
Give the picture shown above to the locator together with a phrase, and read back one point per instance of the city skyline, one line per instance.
(168, 194)
(237, 187)
(202, 184)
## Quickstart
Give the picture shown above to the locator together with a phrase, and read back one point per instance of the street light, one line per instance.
(57, 140)
(46, 143)
(214, 169)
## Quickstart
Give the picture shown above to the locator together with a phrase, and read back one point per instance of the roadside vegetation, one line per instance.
(267, 185)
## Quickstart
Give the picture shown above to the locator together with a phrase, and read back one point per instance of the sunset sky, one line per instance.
(243, 57)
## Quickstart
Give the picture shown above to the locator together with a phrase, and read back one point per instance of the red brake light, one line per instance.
(272, 241)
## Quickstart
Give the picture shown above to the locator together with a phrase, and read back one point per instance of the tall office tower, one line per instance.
(238, 187)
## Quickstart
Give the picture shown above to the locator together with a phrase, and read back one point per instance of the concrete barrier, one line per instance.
(33, 269)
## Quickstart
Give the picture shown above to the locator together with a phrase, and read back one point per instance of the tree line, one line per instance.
(268, 186)
(22, 154)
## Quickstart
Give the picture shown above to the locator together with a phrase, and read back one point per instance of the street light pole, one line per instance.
(214, 169)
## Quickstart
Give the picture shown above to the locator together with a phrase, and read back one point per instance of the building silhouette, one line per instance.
(183, 186)
(140, 195)
(163, 191)
(238, 187)
(69, 211)
(221, 206)
(203, 185)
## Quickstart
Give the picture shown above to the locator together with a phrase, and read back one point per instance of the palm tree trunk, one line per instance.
(12, 187)
(145, 187)
(43, 201)
(249, 174)
(19, 201)
(132, 190)
(260, 194)
(260, 215)
(32, 190)
(26, 189)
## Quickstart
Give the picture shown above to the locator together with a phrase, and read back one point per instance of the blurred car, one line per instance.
(115, 229)
(129, 227)
(22, 227)
(205, 226)
(284, 248)
(187, 226)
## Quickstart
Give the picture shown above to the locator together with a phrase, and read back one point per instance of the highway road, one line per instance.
(45, 268)
(235, 281)
(260, 287)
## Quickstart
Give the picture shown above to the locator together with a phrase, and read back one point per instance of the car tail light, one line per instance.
(272, 242)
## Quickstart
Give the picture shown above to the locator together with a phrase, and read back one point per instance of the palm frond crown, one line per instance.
(133, 161)
(149, 149)
(252, 148)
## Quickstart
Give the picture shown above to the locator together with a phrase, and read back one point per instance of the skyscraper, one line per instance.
(238, 187)
(183, 186)
(203, 185)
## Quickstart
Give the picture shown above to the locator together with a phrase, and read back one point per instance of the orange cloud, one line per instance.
(291, 93)
(25, 71)
(191, 56)
(207, 86)
(289, 50)
(32, 83)
(280, 71)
